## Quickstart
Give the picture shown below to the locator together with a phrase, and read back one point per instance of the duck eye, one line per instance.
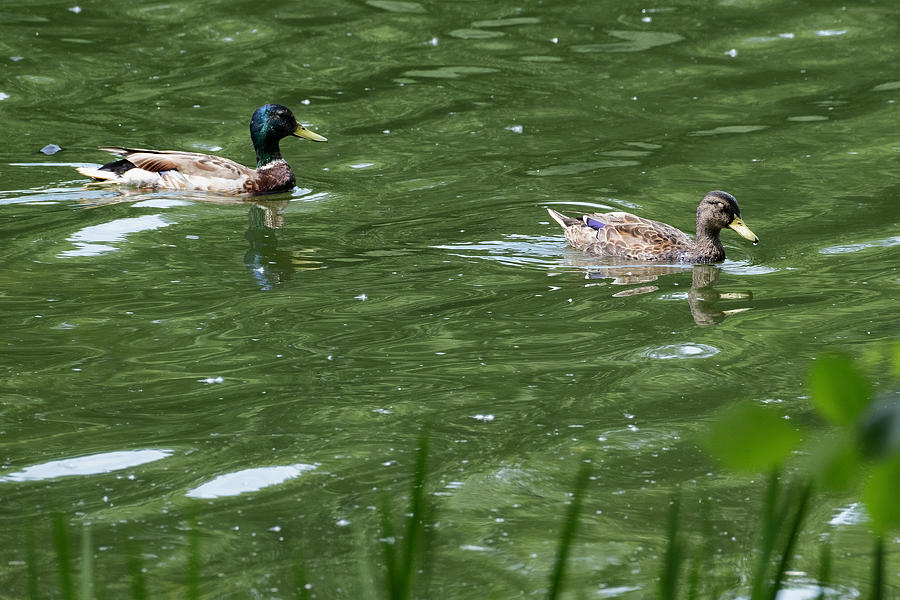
(720, 205)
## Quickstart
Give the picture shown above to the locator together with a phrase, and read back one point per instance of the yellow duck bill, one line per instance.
(743, 230)
(303, 132)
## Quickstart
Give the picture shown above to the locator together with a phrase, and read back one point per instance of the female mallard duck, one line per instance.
(629, 236)
(175, 170)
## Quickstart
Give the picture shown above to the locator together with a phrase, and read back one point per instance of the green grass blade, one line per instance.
(824, 570)
(568, 532)
(133, 565)
(87, 564)
(401, 556)
(668, 580)
(367, 585)
(63, 556)
(878, 569)
(702, 564)
(693, 585)
(415, 522)
(389, 545)
(767, 543)
(790, 542)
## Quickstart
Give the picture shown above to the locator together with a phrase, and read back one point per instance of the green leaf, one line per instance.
(880, 495)
(839, 391)
(751, 438)
(836, 461)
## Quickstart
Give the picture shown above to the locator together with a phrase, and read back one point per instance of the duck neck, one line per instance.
(267, 151)
(708, 246)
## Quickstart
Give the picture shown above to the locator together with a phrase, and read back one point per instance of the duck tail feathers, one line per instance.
(562, 219)
(117, 150)
(95, 173)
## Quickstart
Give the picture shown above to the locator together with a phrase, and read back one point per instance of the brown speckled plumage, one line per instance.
(629, 236)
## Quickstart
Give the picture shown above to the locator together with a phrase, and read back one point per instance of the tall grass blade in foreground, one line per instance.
(87, 564)
(367, 578)
(400, 557)
(133, 564)
(767, 543)
(567, 535)
(878, 569)
(824, 570)
(777, 516)
(389, 542)
(668, 580)
(63, 556)
(790, 542)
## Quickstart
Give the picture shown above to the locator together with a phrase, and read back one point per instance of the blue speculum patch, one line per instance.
(594, 223)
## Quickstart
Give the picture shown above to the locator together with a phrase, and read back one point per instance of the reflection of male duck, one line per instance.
(270, 266)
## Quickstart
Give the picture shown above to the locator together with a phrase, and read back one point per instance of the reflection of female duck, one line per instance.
(629, 236)
(172, 169)
(703, 298)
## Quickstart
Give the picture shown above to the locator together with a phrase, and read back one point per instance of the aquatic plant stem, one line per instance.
(133, 562)
(567, 534)
(878, 569)
(87, 564)
(63, 556)
(791, 541)
(769, 532)
(400, 557)
(668, 580)
(824, 570)
(415, 523)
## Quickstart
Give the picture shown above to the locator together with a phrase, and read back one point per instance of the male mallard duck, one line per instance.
(175, 170)
(629, 236)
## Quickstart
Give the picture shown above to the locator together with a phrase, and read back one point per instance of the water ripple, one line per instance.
(635, 41)
(686, 350)
(848, 248)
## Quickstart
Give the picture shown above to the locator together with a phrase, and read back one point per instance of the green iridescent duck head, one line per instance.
(269, 125)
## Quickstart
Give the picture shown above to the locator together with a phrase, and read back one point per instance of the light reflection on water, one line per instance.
(247, 480)
(686, 350)
(87, 239)
(95, 464)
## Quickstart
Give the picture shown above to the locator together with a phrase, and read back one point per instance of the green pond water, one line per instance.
(258, 372)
